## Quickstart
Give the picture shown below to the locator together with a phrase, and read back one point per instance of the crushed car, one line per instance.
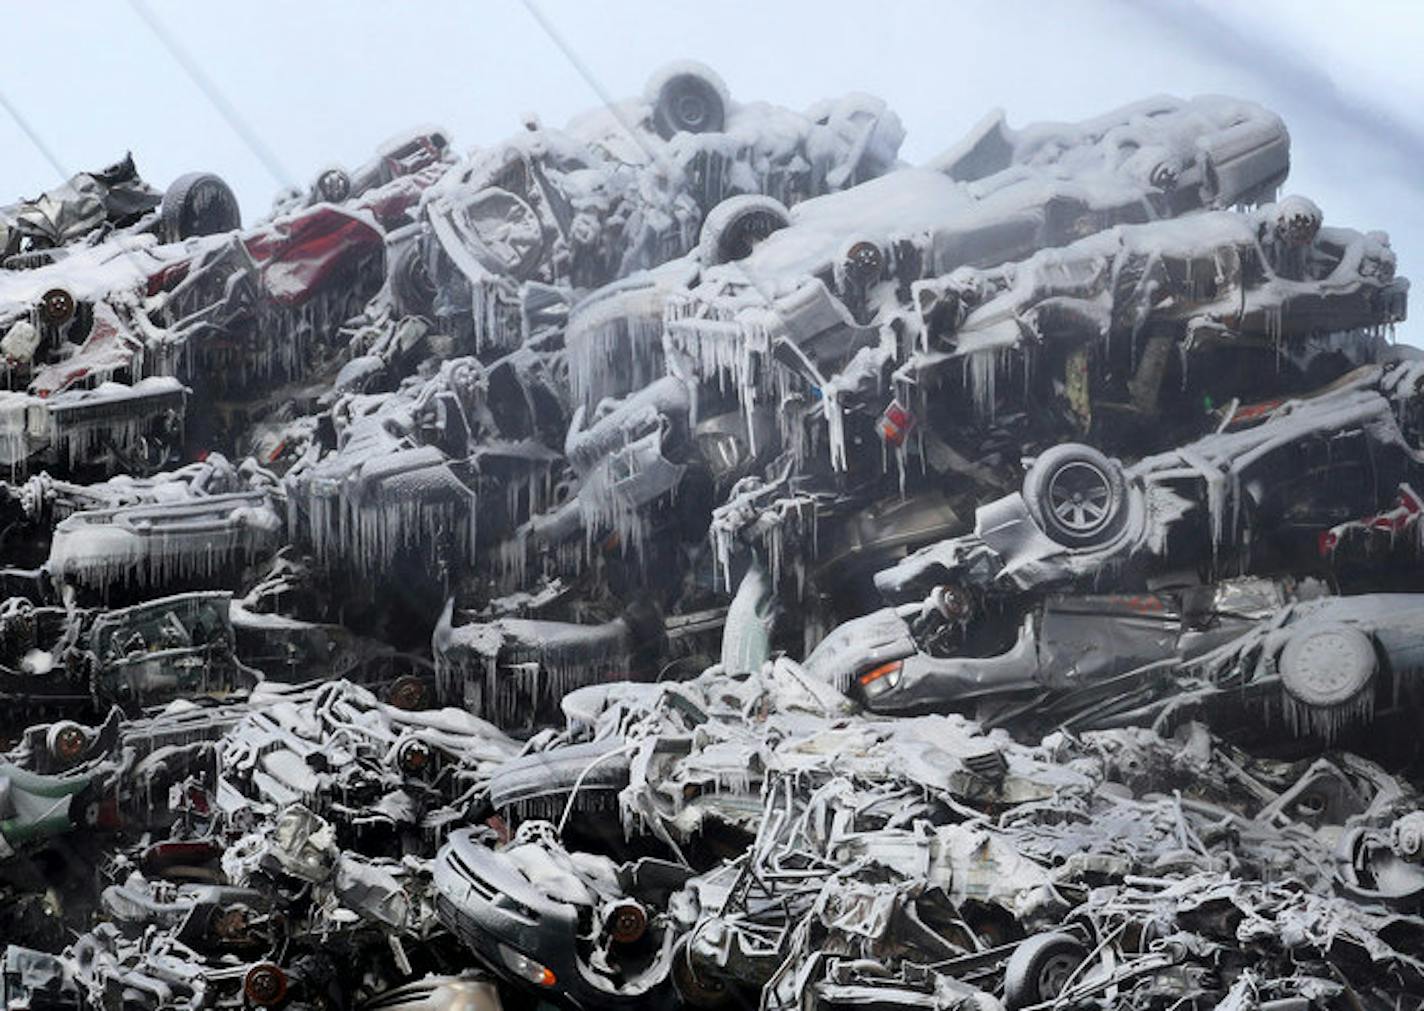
(692, 557)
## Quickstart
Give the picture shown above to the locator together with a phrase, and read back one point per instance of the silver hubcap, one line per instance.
(1079, 496)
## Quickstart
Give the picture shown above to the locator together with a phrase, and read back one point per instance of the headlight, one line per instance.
(525, 967)
(879, 680)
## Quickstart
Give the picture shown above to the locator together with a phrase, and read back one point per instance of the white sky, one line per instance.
(324, 81)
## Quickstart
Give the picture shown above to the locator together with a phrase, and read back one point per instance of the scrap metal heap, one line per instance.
(693, 558)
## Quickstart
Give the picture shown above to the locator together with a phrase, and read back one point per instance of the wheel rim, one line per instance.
(69, 744)
(265, 984)
(1080, 498)
(334, 186)
(691, 110)
(57, 306)
(408, 693)
(864, 262)
(1054, 975)
(750, 229)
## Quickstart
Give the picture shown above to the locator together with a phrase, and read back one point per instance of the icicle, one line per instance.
(616, 346)
(1327, 722)
(981, 376)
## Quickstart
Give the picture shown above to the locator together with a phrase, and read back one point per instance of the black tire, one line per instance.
(688, 98)
(1038, 969)
(1077, 495)
(691, 986)
(733, 228)
(411, 287)
(84, 807)
(198, 203)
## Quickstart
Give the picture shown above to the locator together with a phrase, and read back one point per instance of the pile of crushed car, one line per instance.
(693, 558)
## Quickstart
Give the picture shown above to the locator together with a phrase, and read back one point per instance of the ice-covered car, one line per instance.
(67, 660)
(91, 205)
(163, 544)
(388, 185)
(514, 670)
(581, 930)
(1263, 487)
(519, 229)
(89, 409)
(96, 343)
(170, 647)
(825, 274)
(1240, 304)
(1318, 663)
(396, 496)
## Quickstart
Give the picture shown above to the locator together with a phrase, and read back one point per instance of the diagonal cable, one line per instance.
(654, 156)
(219, 101)
(33, 135)
(603, 95)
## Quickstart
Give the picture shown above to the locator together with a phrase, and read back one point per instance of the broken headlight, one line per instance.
(879, 680)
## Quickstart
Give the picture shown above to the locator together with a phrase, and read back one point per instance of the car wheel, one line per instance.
(57, 307)
(198, 203)
(411, 287)
(1077, 495)
(84, 807)
(1040, 968)
(687, 98)
(734, 227)
(695, 989)
(1328, 672)
(409, 693)
(264, 985)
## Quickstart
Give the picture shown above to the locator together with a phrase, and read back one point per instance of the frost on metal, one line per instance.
(694, 558)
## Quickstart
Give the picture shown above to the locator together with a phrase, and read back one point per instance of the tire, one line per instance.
(734, 227)
(1038, 969)
(1328, 666)
(687, 98)
(694, 989)
(411, 287)
(1077, 495)
(84, 807)
(198, 203)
